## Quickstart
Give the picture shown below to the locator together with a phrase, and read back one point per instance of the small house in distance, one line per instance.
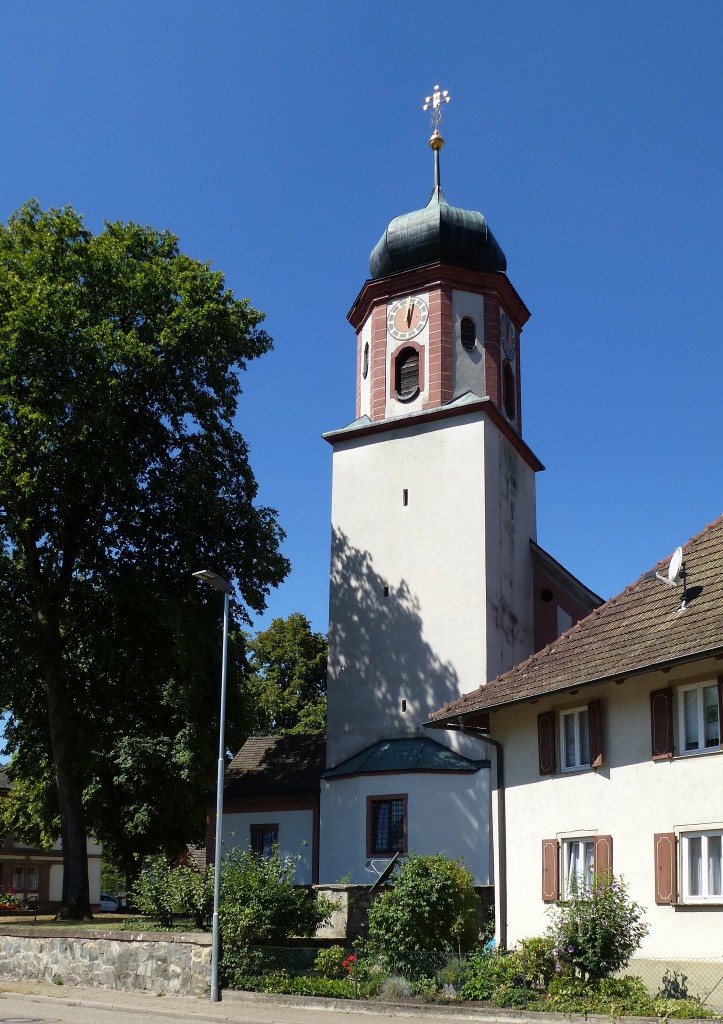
(610, 756)
(35, 874)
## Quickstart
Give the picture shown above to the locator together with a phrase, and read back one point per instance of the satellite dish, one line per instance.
(674, 568)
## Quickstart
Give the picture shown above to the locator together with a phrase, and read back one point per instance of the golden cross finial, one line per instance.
(435, 102)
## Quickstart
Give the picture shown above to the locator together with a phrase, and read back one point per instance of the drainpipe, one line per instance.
(501, 882)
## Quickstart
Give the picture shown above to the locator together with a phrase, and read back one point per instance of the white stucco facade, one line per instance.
(630, 798)
(430, 575)
(446, 813)
(295, 833)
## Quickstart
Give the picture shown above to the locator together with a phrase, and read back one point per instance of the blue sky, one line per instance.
(278, 140)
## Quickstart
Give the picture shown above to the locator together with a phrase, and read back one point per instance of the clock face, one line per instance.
(407, 317)
(507, 336)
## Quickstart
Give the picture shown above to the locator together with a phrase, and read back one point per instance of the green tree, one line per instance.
(287, 677)
(430, 907)
(120, 473)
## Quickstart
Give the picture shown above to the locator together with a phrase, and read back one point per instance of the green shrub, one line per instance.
(261, 906)
(539, 961)
(489, 971)
(430, 907)
(162, 891)
(597, 930)
(281, 983)
(330, 963)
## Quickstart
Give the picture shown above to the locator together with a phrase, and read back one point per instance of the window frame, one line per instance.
(703, 898)
(579, 764)
(587, 851)
(699, 689)
(258, 829)
(373, 801)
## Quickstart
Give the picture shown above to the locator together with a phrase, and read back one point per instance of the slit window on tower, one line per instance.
(406, 379)
(468, 333)
(508, 390)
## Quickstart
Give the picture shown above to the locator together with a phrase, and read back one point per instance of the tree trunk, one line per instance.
(75, 903)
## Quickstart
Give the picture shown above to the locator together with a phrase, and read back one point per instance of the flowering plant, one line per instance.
(8, 898)
(349, 963)
(597, 930)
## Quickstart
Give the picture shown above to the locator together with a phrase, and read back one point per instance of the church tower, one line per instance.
(433, 512)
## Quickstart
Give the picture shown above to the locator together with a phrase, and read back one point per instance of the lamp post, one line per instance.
(218, 583)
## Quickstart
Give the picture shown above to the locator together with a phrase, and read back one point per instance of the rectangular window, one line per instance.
(575, 739)
(263, 840)
(702, 867)
(698, 718)
(578, 864)
(386, 825)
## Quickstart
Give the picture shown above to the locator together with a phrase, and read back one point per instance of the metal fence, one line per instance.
(700, 979)
(682, 979)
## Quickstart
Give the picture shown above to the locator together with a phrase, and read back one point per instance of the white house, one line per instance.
(609, 754)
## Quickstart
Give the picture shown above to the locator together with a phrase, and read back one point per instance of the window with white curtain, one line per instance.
(702, 867)
(578, 864)
(575, 739)
(698, 718)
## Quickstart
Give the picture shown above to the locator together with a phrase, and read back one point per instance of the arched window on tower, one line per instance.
(468, 333)
(509, 389)
(406, 374)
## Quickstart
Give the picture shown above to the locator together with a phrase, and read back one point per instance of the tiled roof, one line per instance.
(5, 783)
(642, 627)
(276, 764)
(411, 754)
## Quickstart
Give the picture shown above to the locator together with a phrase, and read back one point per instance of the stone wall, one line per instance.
(175, 964)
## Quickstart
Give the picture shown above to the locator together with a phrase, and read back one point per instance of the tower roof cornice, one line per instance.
(435, 274)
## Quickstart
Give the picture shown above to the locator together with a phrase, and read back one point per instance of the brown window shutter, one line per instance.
(666, 868)
(594, 719)
(603, 853)
(546, 742)
(661, 723)
(720, 710)
(550, 870)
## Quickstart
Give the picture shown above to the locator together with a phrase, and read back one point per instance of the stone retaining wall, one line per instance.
(175, 964)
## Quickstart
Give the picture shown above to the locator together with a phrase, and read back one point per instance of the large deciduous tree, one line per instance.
(287, 677)
(120, 473)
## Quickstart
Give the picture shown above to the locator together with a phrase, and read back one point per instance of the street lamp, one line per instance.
(206, 576)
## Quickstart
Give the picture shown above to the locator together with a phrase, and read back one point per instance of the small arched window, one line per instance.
(406, 374)
(468, 333)
(509, 397)
(365, 361)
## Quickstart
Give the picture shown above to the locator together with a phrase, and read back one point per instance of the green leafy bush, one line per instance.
(430, 907)
(597, 930)
(280, 983)
(618, 997)
(330, 963)
(162, 891)
(489, 971)
(261, 906)
(395, 989)
(539, 961)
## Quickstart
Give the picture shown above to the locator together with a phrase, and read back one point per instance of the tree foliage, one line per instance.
(431, 906)
(287, 677)
(121, 472)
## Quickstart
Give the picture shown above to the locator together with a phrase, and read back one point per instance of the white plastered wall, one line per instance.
(365, 382)
(630, 798)
(447, 813)
(296, 833)
(468, 367)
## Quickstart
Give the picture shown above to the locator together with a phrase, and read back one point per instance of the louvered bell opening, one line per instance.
(508, 390)
(468, 333)
(407, 382)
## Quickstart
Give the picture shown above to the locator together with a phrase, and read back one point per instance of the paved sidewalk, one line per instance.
(46, 1002)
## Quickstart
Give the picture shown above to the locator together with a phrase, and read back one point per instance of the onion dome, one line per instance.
(439, 233)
